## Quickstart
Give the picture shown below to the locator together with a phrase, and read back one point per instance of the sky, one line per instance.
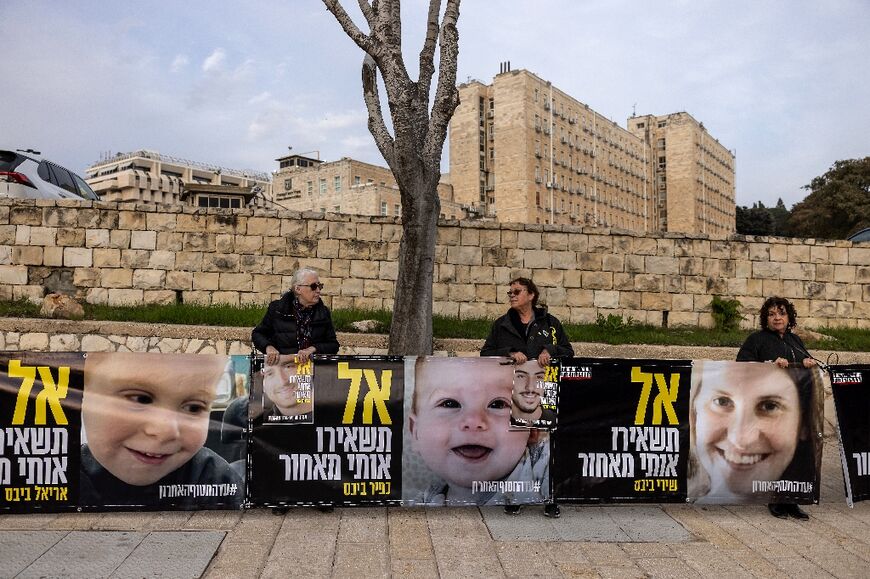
(783, 84)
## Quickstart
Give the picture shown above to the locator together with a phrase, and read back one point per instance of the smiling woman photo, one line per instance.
(750, 423)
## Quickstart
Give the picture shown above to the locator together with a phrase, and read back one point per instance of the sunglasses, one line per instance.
(515, 292)
(313, 286)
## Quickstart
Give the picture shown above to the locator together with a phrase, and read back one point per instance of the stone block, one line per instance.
(158, 221)
(25, 215)
(7, 234)
(46, 236)
(599, 244)
(160, 297)
(819, 254)
(490, 238)
(116, 278)
(206, 281)
(135, 258)
(236, 282)
(255, 264)
(576, 297)
(342, 230)
(282, 246)
(225, 297)
(86, 277)
(645, 246)
(52, 256)
(612, 262)
(461, 255)
(31, 293)
(78, 257)
(27, 255)
(107, 258)
(859, 256)
(529, 240)
(224, 243)
(662, 265)
(623, 281)
(838, 255)
(766, 270)
(33, 342)
(263, 226)
(125, 297)
(292, 228)
(655, 301)
(648, 283)
(97, 296)
(537, 259)
(71, 237)
(589, 261)
(469, 236)
(803, 271)
(578, 242)
(191, 223)
(759, 251)
(179, 280)
(376, 288)
(798, 253)
(120, 239)
(285, 265)
(554, 241)
(197, 241)
(220, 263)
(665, 247)
(143, 240)
(573, 278)
(363, 270)
(248, 243)
(602, 280)
(64, 343)
(548, 278)
(148, 279)
(188, 261)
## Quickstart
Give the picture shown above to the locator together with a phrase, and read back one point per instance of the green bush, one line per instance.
(726, 313)
(613, 322)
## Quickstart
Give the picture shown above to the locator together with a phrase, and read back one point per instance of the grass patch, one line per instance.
(607, 330)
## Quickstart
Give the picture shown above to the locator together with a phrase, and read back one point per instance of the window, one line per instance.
(383, 207)
(62, 178)
(662, 124)
(337, 182)
(397, 209)
(323, 186)
(336, 208)
(310, 187)
(356, 180)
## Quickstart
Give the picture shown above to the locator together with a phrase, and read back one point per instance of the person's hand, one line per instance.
(809, 362)
(781, 362)
(518, 358)
(302, 356)
(544, 358)
(271, 355)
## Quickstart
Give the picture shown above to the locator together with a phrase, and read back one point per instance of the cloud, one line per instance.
(179, 63)
(214, 62)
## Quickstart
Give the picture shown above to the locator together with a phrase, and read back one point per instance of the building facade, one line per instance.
(693, 174)
(521, 150)
(149, 177)
(346, 186)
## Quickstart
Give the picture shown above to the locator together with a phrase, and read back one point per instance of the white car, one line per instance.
(24, 174)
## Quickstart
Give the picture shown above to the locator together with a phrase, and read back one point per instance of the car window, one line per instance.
(84, 189)
(9, 160)
(44, 172)
(63, 179)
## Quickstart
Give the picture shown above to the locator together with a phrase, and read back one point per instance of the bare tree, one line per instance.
(413, 151)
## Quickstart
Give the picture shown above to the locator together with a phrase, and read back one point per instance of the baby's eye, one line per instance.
(139, 398)
(449, 403)
(723, 402)
(195, 408)
(499, 404)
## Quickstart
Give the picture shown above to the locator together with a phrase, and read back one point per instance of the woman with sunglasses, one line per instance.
(527, 332)
(298, 323)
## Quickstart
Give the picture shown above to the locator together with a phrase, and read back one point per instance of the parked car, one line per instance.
(863, 235)
(24, 174)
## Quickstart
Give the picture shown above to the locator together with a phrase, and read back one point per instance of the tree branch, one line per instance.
(446, 94)
(367, 11)
(377, 127)
(361, 40)
(427, 54)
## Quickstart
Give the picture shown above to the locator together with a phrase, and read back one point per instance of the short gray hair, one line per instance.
(300, 274)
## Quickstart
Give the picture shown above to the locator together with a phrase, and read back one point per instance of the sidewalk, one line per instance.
(588, 541)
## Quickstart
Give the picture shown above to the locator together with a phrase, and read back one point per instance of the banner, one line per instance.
(756, 433)
(462, 449)
(40, 423)
(327, 432)
(851, 389)
(535, 395)
(104, 431)
(623, 431)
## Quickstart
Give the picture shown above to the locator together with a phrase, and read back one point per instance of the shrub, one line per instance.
(726, 313)
(613, 322)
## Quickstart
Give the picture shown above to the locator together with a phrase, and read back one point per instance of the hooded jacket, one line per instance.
(544, 332)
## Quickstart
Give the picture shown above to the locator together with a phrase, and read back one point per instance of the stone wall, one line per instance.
(122, 254)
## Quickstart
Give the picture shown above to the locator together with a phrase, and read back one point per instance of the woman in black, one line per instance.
(775, 342)
(298, 323)
(527, 332)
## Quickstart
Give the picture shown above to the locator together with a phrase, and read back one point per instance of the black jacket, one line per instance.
(767, 346)
(278, 328)
(544, 332)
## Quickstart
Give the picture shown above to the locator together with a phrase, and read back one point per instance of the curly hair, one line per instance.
(530, 287)
(777, 302)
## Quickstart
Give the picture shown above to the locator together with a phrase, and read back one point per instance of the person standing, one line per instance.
(775, 342)
(527, 332)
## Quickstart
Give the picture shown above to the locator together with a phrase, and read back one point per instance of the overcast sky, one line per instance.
(784, 84)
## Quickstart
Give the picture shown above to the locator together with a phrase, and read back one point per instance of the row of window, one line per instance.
(323, 182)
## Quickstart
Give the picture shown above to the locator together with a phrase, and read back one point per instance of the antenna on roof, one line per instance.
(634, 110)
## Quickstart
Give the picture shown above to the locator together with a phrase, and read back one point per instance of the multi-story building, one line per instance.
(693, 174)
(521, 150)
(149, 177)
(345, 186)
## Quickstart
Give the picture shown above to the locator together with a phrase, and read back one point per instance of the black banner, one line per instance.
(333, 438)
(851, 389)
(623, 431)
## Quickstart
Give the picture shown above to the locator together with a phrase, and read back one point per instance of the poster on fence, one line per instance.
(40, 396)
(146, 419)
(461, 447)
(326, 432)
(623, 431)
(851, 389)
(535, 395)
(118, 430)
(756, 433)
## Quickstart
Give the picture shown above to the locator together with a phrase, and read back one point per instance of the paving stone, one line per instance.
(18, 549)
(800, 567)
(414, 568)
(526, 559)
(90, 554)
(178, 554)
(360, 559)
(667, 568)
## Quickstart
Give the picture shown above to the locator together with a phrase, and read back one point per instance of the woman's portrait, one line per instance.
(751, 424)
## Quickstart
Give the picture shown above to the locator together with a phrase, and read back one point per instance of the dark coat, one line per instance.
(767, 346)
(544, 332)
(278, 328)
